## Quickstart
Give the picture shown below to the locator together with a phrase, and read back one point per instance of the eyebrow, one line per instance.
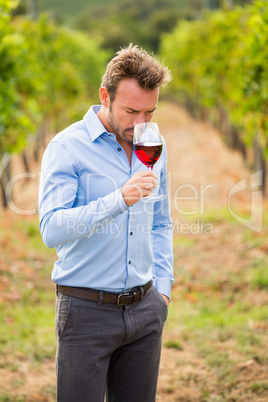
(134, 110)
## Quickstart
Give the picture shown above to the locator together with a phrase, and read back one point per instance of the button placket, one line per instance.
(130, 241)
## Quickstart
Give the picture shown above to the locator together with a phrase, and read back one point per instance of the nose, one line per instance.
(139, 119)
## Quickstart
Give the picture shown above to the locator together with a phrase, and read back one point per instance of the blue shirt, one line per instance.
(101, 242)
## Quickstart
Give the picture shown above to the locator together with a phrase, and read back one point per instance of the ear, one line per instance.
(104, 97)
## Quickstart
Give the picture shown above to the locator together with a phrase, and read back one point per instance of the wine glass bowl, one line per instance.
(148, 145)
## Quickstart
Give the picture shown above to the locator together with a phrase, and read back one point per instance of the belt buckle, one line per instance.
(119, 296)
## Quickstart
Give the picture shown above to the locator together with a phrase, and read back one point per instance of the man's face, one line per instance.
(131, 105)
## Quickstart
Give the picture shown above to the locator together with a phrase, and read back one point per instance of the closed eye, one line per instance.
(136, 111)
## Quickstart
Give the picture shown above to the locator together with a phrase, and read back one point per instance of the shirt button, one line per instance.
(131, 233)
(119, 149)
(129, 262)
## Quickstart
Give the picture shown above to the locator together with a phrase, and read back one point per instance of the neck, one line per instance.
(127, 146)
(102, 116)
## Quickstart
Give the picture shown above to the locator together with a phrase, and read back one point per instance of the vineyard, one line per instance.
(219, 64)
(215, 338)
(48, 75)
(51, 74)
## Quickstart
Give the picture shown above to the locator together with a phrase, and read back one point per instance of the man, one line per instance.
(111, 246)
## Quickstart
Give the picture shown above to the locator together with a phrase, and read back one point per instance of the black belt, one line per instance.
(121, 299)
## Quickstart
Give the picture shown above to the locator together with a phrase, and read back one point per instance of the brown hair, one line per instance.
(134, 62)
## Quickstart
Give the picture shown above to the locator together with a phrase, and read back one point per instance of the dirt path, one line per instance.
(204, 169)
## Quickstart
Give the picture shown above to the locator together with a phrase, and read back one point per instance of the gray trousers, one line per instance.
(108, 348)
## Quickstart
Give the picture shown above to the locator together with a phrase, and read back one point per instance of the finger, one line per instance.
(144, 181)
(145, 173)
(148, 186)
(145, 193)
(152, 183)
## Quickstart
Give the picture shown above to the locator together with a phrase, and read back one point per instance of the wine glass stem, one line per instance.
(151, 169)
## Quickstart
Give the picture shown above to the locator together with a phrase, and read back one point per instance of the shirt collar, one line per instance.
(93, 124)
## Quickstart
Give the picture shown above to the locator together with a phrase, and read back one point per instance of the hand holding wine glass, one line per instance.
(138, 186)
(148, 145)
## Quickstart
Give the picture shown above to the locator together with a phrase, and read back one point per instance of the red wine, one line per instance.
(148, 152)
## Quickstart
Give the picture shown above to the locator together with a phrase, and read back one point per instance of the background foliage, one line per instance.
(49, 71)
(219, 65)
(45, 71)
(120, 22)
(52, 71)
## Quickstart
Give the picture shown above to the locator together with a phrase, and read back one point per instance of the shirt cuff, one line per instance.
(163, 286)
(114, 203)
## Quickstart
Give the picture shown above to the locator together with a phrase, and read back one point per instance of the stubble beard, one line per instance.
(117, 129)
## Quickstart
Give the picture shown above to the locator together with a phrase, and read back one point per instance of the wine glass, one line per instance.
(148, 145)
